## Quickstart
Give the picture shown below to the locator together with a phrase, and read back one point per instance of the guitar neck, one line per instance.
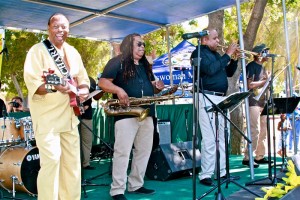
(72, 87)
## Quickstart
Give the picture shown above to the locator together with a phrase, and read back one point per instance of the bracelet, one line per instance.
(49, 88)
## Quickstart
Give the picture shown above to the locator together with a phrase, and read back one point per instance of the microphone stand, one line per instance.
(219, 195)
(186, 122)
(270, 104)
(87, 182)
(195, 116)
(215, 108)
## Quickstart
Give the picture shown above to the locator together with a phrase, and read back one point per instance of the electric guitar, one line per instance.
(52, 79)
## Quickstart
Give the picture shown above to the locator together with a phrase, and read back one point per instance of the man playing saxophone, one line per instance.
(256, 78)
(129, 75)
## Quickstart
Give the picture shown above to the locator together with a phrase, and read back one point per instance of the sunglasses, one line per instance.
(139, 44)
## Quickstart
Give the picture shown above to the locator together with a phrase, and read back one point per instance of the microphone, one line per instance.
(270, 55)
(181, 68)
(200, 34)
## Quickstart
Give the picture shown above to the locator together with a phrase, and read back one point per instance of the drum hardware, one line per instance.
(19, 170)
(13, 180)
(10, 134)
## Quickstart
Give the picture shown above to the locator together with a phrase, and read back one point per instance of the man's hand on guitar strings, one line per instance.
(83, 93)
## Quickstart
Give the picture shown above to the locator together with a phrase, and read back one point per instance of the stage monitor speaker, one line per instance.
(170, 161)
(164, 129)
(292, 195)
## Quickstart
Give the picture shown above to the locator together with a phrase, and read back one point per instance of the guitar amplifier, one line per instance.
(164, 129)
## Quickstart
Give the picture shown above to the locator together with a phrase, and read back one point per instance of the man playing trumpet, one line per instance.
(256, 78)
(214, 70)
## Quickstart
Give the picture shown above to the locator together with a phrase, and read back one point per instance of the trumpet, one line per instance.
(235, 56)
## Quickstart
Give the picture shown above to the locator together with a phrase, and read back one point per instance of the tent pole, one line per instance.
(169, 57)
(245, 88)
(289, 87)
(289, 82)
(298, 50)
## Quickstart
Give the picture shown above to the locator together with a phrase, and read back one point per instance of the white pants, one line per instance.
(129, 132)
(208, 142)
(59, 177)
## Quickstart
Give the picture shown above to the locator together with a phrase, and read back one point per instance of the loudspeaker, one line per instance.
(164, 130)
(170, 161)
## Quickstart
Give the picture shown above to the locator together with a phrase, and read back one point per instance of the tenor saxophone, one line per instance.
(113, 107)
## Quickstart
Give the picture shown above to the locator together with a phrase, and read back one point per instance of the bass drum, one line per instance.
(22, 164)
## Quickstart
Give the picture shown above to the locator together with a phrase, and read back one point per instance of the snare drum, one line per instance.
(9, 132)
(23, 164)
(26, 130)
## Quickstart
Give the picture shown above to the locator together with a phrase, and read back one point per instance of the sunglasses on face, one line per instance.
(139, 44)
(265, 51)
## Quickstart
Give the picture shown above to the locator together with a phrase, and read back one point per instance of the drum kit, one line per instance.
(19, 157)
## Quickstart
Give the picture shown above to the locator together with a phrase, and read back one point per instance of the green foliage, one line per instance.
(94, 54)
(157, 41)
(17, 43)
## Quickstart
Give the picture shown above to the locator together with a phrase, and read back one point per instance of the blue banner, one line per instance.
(181, 66)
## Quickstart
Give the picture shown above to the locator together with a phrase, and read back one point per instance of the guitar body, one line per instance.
(74, 100)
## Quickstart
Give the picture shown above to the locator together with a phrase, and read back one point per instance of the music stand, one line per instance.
(230, 102)
(278, 106)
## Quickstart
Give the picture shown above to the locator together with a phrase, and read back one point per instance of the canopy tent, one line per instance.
(109, 20)
(180, 57)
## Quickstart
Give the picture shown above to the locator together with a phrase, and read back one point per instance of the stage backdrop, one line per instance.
(180, 56)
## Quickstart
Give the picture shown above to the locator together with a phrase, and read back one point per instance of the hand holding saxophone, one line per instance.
(159, 84)
(123, 97)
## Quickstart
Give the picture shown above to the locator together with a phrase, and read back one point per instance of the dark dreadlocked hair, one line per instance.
(127, 58)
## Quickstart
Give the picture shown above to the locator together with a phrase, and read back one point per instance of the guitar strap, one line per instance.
(57, 59)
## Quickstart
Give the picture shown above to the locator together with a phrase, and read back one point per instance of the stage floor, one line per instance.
(179, 188)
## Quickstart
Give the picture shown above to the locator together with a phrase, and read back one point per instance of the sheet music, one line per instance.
(230, 102)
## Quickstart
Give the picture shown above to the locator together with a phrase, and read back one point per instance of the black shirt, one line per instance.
(88, 113)
(2, 107)
(138, 86)
(214, 69)
(255, 72)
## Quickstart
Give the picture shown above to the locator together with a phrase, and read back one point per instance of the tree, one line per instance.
(18, 43)
(156, 42)
(249, 38)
